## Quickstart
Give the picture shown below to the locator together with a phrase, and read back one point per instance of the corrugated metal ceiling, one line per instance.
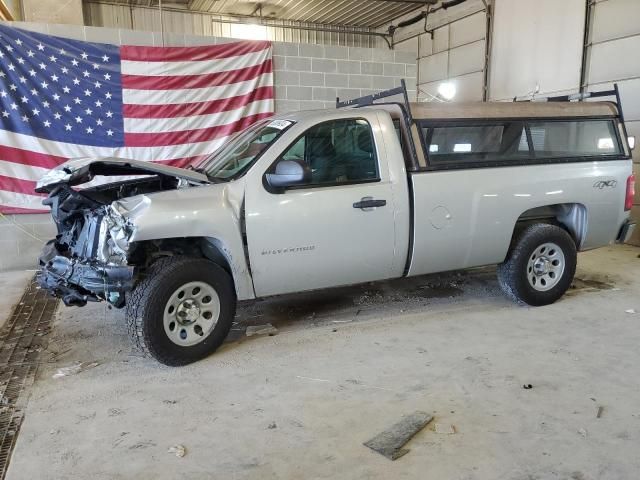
(369, 13)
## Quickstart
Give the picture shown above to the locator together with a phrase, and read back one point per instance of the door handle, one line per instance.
(368, 203)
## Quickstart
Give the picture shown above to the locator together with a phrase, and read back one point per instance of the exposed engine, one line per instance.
(88, 259)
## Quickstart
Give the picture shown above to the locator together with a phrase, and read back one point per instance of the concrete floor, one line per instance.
(348, 364)
(12, 285)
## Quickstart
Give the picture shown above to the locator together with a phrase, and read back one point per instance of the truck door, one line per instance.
(337, 226)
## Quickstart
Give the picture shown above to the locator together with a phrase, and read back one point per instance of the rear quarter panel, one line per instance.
(466, 218)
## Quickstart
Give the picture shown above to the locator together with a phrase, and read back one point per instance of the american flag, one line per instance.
(63, 98)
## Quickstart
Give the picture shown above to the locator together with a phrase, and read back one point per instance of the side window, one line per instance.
(337, 152)
(460, 144)
(574, 138)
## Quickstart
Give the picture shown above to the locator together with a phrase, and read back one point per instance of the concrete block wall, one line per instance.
(310, 76)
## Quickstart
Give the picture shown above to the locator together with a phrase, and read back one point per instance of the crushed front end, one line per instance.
(91, 258)
(87, 261)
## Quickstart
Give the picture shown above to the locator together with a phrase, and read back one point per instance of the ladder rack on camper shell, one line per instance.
(370, 99)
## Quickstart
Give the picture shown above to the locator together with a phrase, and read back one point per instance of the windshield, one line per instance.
(242, 150)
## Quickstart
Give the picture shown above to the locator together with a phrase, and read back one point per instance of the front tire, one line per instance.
(182, 310)
(540, 265)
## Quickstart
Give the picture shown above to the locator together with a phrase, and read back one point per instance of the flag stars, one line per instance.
(109, 114)
(99, 122)
(25, 118)
(87, 93)
(13, 87)
(74, 62)
(89, 130)
(42, 66)
(21, 61)
(108, 96)
(88, 111)
(67, 108)
(84, 56)
(63, 51)
(19, 42)
(24, 99)
(77, 101)
(22, 80)
(47, 123)
(67, 127)
(57, 116)
(3, 94)
(78, 119)
(66, 89)
(85, 74)
(11, 67)
(54, 78)
(76, 81)
(32, 72)
(96, 66)
(97, 84)
(44, 85)
(34, 92)
(107, 76)
(10, 48)
(110, 133)
(14, 106)
(45, 104)
(53, 58)
(5, 114)
(36, 112)
(30, 53)
(65, 70)
(56, 97)
(105, 58)
(40, 47)
(98, 103)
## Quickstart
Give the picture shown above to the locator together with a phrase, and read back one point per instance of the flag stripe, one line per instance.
(18, 185)
(199, 135)
(22, 171)
(198, 108)
(28, 157)
(180, 54)
(195, 122)
(194, 68)
(170, 82)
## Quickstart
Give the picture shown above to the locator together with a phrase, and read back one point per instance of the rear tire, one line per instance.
(540, 265)
(181, 311)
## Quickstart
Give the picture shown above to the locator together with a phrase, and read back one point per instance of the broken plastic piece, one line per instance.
(527, 386)
(75, 368)
(390, 442)
(266, 329)
(631, 311)
(444, 428)
(178, 450)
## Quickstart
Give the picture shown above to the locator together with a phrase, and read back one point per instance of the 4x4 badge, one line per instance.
(605, 183)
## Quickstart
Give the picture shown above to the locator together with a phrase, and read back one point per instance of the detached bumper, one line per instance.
(78, 281)
(626, 231)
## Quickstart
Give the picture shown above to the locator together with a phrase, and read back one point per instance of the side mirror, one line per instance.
(288, 173)
(632, 142)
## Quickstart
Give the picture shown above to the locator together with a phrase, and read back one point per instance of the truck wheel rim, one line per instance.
(545, 266)
(191, 313)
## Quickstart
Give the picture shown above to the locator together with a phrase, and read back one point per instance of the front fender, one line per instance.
(212, 211)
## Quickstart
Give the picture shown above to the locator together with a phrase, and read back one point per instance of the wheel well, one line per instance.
(145, 253)
(570, 216)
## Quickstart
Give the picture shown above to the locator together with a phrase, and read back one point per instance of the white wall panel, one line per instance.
(536, 43)
(466, 59)
(433, 67)
(615, 18)
(468, 29)
(614, 60)
(440, 39)
(468, 88)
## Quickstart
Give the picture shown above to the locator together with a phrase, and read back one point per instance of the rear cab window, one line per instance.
(469, 143)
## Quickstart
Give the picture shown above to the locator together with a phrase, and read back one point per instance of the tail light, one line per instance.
(631, 192)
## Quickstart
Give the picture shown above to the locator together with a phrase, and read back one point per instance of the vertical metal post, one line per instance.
(488, 38)
(585, 45)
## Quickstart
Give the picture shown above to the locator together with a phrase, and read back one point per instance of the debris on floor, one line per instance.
(599, 411)
(527, 386)
(631, 311)
(583, 432)
(390, 442)
(444, 428)
(177, 450)
(266, 329)
(74, 369)
(272, 425)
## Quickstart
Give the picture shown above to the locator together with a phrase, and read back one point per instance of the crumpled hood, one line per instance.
(82, 170)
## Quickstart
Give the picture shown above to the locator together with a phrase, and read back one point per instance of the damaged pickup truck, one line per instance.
(311, 200)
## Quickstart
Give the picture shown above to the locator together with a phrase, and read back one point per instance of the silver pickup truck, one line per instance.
(325, 198)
